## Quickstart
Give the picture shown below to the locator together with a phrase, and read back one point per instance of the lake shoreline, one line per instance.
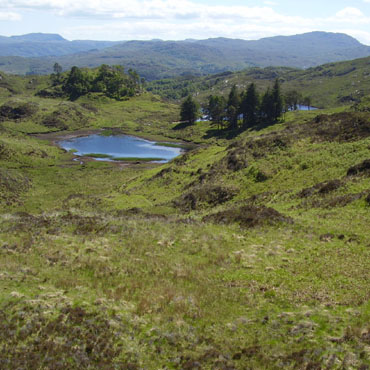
(114, 146)
(55, 137)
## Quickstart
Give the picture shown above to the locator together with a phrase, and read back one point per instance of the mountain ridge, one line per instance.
(156, 59)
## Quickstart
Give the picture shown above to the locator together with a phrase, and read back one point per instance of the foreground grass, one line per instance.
(104, 265)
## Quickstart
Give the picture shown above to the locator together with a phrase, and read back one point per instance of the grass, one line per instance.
(105, 266)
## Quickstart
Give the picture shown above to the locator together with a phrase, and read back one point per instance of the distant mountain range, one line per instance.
(155, 59)
(45, 44)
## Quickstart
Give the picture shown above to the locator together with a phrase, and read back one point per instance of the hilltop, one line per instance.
(331, 84)
(46, 44)
(249, 251)
(162, 59)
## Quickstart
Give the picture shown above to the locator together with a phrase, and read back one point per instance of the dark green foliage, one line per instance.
(111, 81)
(292, 99)
(246, 105)
(267, 106)
(56, 76)
(189, 110)
(277, 101)
(108, 80)
(77, 83)
(232, 108)
(216, 109)
(250, 106)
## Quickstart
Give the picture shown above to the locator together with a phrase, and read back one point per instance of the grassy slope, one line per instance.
(106, 266)
(328, 85)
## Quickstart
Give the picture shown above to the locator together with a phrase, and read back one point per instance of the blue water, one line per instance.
(119, 146)
(305, 107)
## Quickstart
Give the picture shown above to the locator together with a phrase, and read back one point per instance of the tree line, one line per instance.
(111, 81)
(244, 109)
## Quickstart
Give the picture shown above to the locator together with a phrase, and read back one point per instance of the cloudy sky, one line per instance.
(181, 19)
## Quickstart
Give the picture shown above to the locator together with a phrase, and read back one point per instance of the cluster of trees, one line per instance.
(112, 81)
(247, 108)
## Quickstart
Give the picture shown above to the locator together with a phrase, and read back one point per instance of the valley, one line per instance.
(248, 251)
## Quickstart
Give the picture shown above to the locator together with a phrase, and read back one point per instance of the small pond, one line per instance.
(305, 107)
(120, 147)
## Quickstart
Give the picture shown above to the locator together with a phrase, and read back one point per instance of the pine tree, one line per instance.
(250, 106)
(232, 109)
(278, 103)
(267, 106)
(216, 109)
(189, 110)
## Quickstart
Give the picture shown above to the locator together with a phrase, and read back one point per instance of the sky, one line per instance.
(182, 19)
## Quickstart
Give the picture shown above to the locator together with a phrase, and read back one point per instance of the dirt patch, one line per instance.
(236, 160)
(322, 188)
(139, 213)
(206, 195)
(16, 111)
(248, 216)
(362, 168)
(339, 201)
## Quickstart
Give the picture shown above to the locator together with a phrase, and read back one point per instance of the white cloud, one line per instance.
(180, 19)
(350, 15)
(10, 16)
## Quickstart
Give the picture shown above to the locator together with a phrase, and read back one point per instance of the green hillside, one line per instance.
(159, 59)
(249, 251)
(328, 85)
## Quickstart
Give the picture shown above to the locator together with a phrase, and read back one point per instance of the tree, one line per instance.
(216, 109)
(189, 110)
(292, 99)
(307, 102)
(249, 106)
(56, 76)
(278, 103)
(267, 106)
(112, 81)
(77, 83)
(232, 108)
(57, 68)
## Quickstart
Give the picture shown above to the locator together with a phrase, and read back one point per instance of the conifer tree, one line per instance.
(267, 106)
(216, 109)
(277, 99)
(189, 110)
(250, 106)
(232, 109)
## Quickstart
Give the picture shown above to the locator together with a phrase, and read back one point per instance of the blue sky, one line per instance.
(181, 19)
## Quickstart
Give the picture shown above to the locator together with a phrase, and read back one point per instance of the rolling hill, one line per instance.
(328, 85)
(249, 251)
(43, 44)
(163, 59)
